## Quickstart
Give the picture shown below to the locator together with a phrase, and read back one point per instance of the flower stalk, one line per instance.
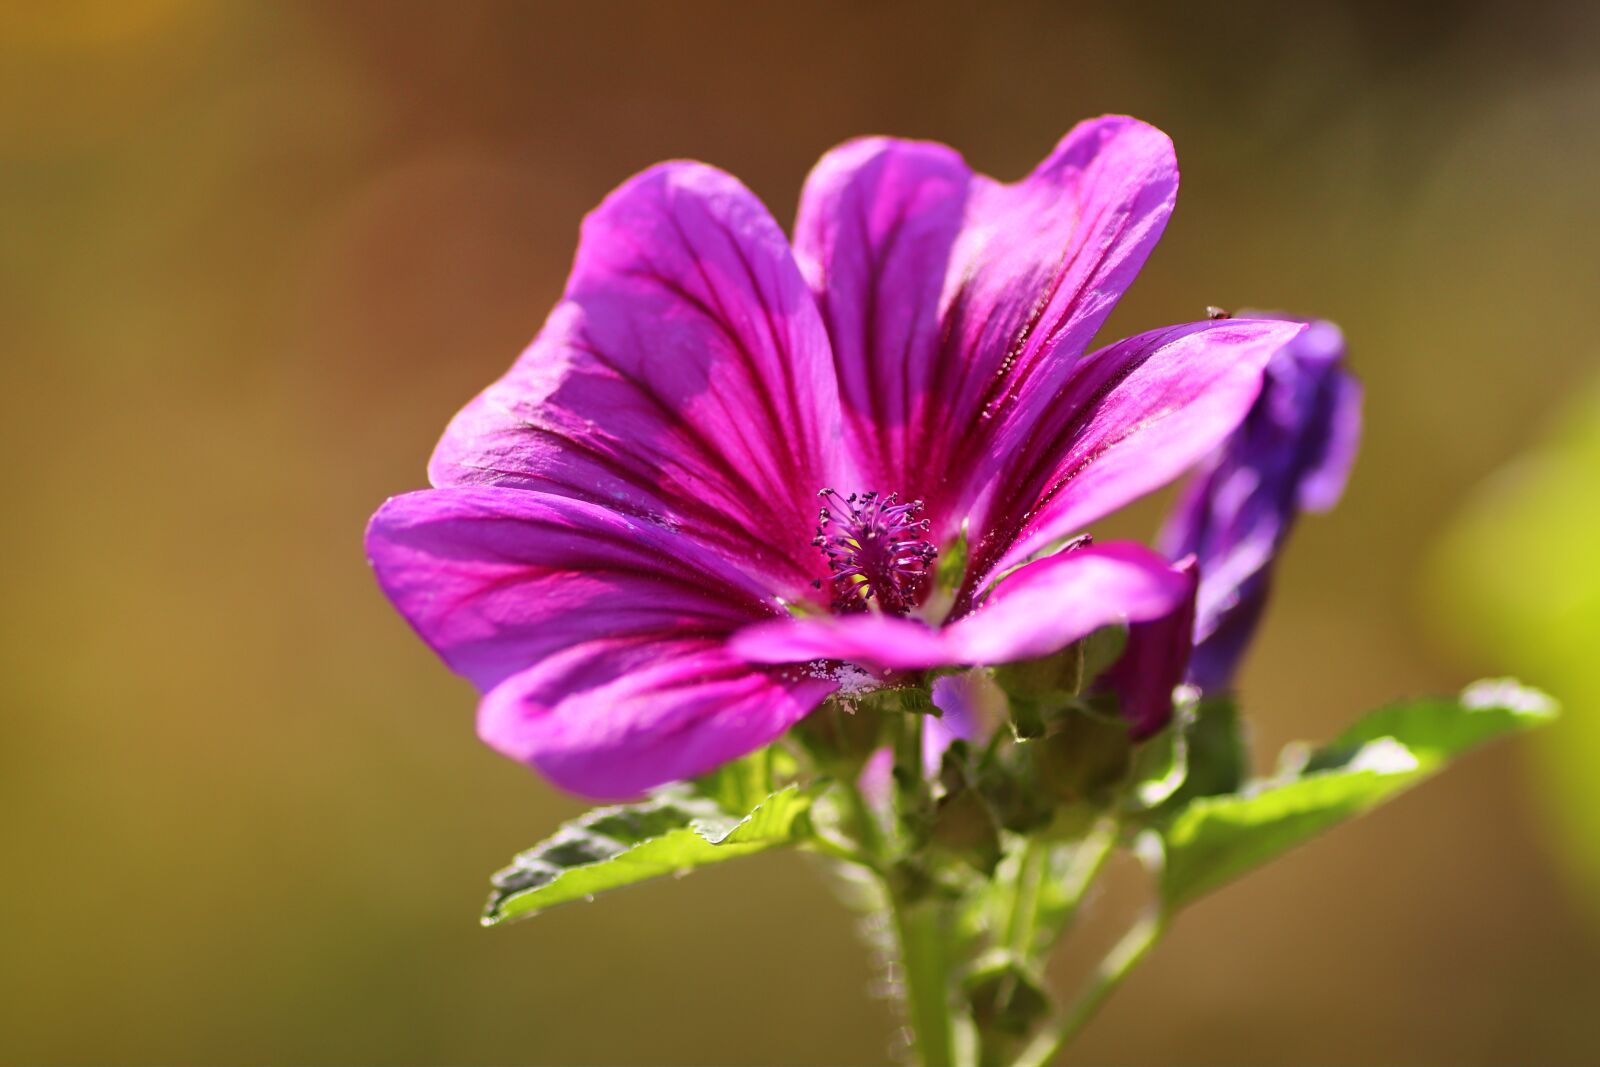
(921, 919)
(922, 934)
(970, 944)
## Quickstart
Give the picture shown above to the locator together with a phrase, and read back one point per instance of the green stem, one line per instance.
(1088, 860)
(1112, 972)
(921, 932)
(921, 920)
(921, 929)
(910, 784)
(1021, 924)
(824, 845)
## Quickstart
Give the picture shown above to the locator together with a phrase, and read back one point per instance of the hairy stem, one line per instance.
(921, 920)
(922, 930)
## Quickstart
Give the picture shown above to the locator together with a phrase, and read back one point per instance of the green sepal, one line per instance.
(1049, 679)
(1006, 998)
(1008, 782)
(1100, 650)
(1215, 839)
(841, 735)
(1029, 721)
(1040, 691)
(952, 565)
(963, 826)
(1055, 679)
(908, 699)
(1085, 756)
(674, 832)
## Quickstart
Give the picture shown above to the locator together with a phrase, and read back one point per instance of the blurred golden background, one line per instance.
(254, 255)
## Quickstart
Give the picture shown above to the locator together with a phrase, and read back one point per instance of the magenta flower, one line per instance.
(626, 551)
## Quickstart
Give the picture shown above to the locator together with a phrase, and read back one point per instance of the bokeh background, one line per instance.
(254, 255)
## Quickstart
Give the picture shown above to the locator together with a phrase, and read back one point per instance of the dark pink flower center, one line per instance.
(877, 549)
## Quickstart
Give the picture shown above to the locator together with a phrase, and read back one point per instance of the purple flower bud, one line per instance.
(1292, 453)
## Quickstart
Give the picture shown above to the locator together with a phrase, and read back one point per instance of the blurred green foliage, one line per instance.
(1517, 580)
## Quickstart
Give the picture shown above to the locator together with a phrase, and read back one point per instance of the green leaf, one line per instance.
(1215, 839)
(1444, 727)
(1216, 759)
(1160, 767)
(738, 785)
(612, 847)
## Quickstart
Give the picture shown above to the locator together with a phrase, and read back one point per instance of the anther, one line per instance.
(877, 550)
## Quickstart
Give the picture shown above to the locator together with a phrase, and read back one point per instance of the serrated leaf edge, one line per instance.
(706, 827)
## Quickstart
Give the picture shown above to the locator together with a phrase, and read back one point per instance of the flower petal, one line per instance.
(1153, 663)
(611, 723)
(961, 700)
(878, 642)
(1130, 418)
(1046, 605)
(599, 638)
(1326, 406)
(1229, 626)
(685, 376)
(956, 303)
(878, 218)
(1038, 609)
(497, 579)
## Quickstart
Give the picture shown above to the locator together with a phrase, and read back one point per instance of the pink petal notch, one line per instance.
(956, 304)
